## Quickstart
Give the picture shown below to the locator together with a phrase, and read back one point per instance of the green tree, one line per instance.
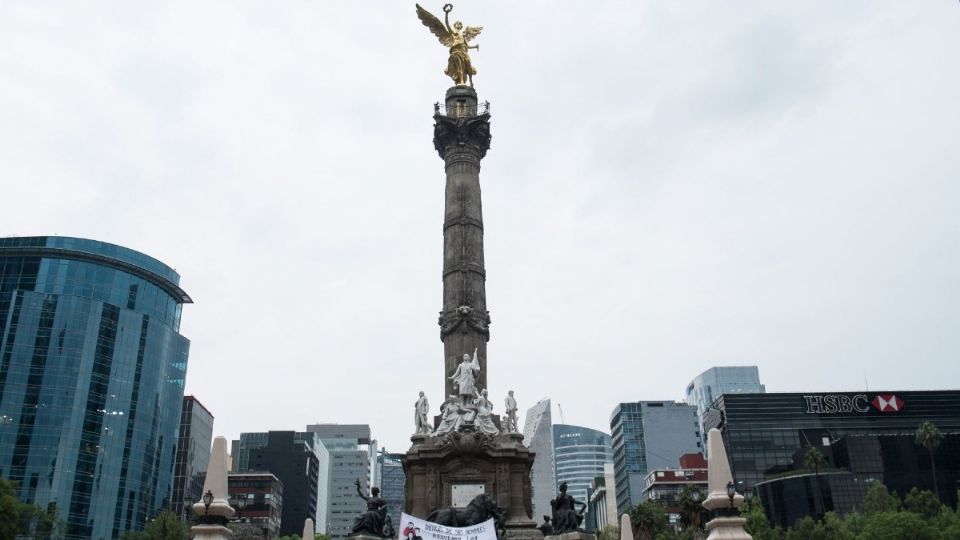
(929, 436)
(165, 526)
(648, 520)
(898, 526)
(879, 499)
(757, 523)
(836, 528)
(610, 532)
(923, 503)
(325, 536)
(814, 460)
(10, 510)
(692, 513)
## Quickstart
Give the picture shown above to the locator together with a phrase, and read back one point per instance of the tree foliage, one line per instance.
(929, 436)
(22, 521)
(921, 516)
(165, 526)
(648, 521)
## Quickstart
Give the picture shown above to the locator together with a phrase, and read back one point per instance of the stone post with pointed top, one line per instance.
(212, 520)
(722, 527)
(308, 529)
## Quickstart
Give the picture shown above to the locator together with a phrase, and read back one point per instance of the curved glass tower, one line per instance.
(579, 454)
(92, 368)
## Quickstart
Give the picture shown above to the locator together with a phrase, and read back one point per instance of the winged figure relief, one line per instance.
(457, 38)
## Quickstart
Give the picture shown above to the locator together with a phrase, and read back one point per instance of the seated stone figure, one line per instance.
(565, 516)
(372, 521)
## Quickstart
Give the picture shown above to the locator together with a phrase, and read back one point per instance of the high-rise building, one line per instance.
(345, 454)
(649, 435)
(603, 503)
(706, 387)
(538, 436)
(578, 457)
(391, 480)
(193, 453)
(92, 368)
(260, 517)
(293, 458)
(864, 437)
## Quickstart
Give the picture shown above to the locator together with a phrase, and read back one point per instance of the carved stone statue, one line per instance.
(457, 38)
(421, 411)
(454, 415)
(372, 521)
(511, 410)
(483, 420)
(465, 378)
(565, 516)
(546, 528)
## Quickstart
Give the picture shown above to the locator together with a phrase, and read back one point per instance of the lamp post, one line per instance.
(731, 493)
(187, 504)
(207, 501)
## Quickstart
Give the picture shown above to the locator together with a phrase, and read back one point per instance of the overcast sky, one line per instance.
(671, 186)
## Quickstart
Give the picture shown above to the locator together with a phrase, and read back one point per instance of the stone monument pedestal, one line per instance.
(727, 528)
(449, 470)
(578, 535)
(365, 537)
(212, 532)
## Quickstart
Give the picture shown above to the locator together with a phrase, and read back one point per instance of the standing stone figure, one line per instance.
(511, 408)
(483, 421)
(421, 410)
(464, 376)
(370, 522)
(565, 516)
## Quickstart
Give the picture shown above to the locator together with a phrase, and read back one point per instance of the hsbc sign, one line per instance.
(856, 403)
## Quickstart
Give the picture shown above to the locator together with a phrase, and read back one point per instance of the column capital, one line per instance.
(469, 135)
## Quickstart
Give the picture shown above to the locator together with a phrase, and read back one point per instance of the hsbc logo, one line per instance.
(857, 403)
(887, 403)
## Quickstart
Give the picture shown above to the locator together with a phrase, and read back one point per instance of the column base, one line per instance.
(210, 532)
(727, 528)
(576, 535)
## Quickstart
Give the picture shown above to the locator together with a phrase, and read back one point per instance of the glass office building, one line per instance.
(706, 387)
(649, 435)
(865, 437)
(193, 454)
(578, 457)
(92, 369)
(392, 483)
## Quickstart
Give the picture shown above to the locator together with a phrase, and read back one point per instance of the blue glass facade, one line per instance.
(92, 369)
(649, 435)
(578, 457)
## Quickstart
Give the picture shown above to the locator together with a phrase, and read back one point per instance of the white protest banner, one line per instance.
(413, 528)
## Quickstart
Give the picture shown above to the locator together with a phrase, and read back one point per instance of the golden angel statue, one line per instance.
(459, 67)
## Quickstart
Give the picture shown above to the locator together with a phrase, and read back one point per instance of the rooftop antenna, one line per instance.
(865, 385)
(561, 413)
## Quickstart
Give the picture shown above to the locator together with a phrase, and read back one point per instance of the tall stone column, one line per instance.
(461, 135)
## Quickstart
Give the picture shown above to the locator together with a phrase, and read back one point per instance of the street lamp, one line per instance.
(239, 502)
(731, 492)
(207, 501)
(187, 505)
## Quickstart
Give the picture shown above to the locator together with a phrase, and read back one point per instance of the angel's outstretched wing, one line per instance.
(471, 32)
(435, 25)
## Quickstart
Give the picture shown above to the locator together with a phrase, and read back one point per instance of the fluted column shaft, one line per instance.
(462, 137)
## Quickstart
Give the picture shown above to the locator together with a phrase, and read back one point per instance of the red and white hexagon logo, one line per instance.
(887, 403)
